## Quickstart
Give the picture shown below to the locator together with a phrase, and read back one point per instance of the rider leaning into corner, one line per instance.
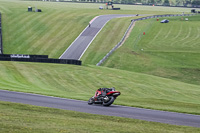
(105, 96)
(104, 91)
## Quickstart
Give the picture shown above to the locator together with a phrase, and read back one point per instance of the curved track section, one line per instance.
(82, 42)
(114, 110)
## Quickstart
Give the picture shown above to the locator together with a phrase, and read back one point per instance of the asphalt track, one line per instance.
(113, 110)
(82, 42)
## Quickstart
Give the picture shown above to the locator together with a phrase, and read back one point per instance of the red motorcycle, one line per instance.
(105, 96)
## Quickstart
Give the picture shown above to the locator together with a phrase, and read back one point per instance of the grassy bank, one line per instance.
(167, 50)
(21, 118)
(80, 82)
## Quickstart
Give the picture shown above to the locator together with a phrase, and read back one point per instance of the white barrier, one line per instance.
(1, 44)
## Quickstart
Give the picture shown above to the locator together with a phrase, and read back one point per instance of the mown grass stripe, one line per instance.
(197, 41)
(169, 32)
(52, 36)
(193, 39)
(184, 35)
(20, 37)
(44, 38)
(155, 37)
(179, 31)
(11, 80)
(4, 9)
(37, 35)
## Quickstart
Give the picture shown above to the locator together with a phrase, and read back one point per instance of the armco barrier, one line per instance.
(1, 42)
(132, 21)
(37, 58)
(112, 50)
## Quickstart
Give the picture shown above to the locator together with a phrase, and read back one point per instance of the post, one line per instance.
(36, 10)
(1, 42)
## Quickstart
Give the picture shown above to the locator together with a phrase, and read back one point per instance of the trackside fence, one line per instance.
(1, 42)
(132, 21)
(37, 58)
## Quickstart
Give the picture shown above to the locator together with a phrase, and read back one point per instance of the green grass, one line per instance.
(177, 36)
(48, 33)
(21, 118)
(53, 30)
(169, 50)
(80, 82)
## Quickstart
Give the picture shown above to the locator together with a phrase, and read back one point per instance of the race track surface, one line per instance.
(82, 42)
(113, 110)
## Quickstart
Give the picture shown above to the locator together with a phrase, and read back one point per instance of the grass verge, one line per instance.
(21, 118)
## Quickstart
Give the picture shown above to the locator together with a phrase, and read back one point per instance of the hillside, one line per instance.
(57, 26)
(166, 50)
(80, 82)
(138, 75)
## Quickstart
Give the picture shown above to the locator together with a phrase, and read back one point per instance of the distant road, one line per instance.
(82, 42)
(113, 110)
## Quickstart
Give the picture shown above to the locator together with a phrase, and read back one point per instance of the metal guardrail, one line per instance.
(132, 21)
(113, 49)
(1, 42)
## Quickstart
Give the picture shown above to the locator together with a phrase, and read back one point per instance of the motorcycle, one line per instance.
(104, 96)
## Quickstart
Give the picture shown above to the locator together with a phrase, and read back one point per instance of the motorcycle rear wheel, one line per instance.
(90, 101)
(111, 100)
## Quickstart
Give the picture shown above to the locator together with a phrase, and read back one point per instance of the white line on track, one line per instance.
(98, 32)
(73, 42)
(78, 37)
(92, 40)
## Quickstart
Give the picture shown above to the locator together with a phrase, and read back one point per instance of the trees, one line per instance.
(185, 3)
(166, 3)
(196, 2)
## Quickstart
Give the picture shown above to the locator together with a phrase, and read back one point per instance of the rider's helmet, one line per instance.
(113, 88)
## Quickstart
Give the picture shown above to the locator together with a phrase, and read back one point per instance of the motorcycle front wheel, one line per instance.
(109, 102)
(90, 101)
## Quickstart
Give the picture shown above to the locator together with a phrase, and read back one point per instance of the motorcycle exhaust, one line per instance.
(106, 99)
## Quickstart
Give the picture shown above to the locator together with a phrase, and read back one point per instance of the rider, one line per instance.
(104, 91)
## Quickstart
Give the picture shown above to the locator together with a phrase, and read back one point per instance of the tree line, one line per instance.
(185, 3)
